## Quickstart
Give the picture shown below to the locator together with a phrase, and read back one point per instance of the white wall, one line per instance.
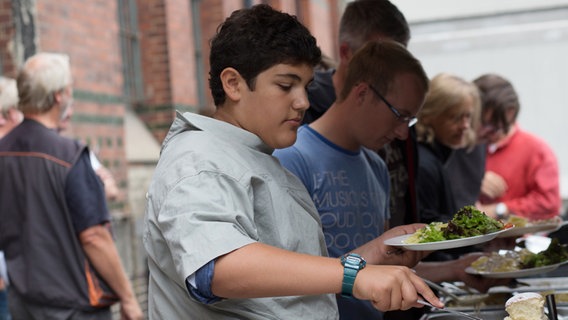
(528, 47)
(428, 10)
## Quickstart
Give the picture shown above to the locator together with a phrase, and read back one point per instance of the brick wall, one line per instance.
(156, 110)
(7, 57)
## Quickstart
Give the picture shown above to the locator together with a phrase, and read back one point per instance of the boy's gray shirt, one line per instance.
(217, 188)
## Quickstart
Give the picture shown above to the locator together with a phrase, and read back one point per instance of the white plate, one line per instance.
(516, 273)
(440, 245)
(532, 228)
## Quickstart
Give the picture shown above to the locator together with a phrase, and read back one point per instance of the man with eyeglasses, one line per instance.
(410, 120)
(385, 87)
(362, 21)
(335, 155)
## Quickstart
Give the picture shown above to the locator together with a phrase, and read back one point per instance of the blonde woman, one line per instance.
(446, 123)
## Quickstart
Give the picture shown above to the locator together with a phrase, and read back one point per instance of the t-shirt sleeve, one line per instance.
(291, 158)
(85, 195)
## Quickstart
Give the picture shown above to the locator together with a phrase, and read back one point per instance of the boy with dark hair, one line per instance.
(230, 233)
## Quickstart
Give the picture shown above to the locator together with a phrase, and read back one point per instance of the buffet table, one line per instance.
(554, 282)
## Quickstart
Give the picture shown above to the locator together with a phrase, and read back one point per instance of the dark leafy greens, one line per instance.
(470, 222)
(555, 253)
(467, 222)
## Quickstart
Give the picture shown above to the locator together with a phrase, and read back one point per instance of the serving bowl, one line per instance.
(485, 315)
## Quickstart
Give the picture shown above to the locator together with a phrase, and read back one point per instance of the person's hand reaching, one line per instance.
(393, 288)
(493, 185)
(377, 252)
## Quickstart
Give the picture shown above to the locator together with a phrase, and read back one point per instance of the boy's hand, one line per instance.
(392, 288)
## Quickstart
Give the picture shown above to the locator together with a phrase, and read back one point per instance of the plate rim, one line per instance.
(519, 231)
(515, 274)
(445, 244)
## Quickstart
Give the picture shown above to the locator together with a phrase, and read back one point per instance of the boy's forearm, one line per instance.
(250, 272)
(259, 270)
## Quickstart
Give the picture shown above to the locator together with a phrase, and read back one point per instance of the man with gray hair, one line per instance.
(10, 117)
(62, 261)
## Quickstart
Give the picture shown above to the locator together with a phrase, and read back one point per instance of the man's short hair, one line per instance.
(253, 40)
(364, 19)
(8, 94)
(378, 63)
(42, 75)
(498, 95)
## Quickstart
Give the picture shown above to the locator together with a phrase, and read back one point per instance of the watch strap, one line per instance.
(352, 263)
(349, 275)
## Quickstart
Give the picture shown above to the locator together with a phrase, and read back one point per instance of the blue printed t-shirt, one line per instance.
(350, 189)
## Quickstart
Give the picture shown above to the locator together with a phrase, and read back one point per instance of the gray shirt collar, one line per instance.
(224, 130)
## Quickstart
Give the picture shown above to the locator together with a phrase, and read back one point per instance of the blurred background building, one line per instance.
(135, 62)
(526, 41)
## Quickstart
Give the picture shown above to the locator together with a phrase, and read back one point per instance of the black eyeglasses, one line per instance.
(405, 119)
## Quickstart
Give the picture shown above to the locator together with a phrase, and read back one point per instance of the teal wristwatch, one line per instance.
(352, 263)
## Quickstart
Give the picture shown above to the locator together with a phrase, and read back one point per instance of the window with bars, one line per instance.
(130, 47)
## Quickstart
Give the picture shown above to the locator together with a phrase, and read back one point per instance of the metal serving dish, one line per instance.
(486, 314)
(494, 306)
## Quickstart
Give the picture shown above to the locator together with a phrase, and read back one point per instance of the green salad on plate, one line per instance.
(467, 222)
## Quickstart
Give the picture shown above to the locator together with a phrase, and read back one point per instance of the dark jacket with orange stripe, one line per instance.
(46, 263)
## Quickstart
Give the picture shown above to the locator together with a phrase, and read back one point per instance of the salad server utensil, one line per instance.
(459, 313)
(463, 300)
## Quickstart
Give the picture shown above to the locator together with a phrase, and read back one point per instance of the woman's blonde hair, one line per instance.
(448, 91)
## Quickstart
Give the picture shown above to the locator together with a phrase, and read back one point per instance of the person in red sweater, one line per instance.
(521, 170)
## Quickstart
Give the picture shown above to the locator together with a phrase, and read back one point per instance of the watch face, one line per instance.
(353, 259)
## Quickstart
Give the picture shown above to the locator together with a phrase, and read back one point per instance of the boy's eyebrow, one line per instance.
(292, 75)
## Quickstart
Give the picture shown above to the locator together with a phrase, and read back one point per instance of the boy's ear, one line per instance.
(231, 80)
(360, 91)
(345, 52)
